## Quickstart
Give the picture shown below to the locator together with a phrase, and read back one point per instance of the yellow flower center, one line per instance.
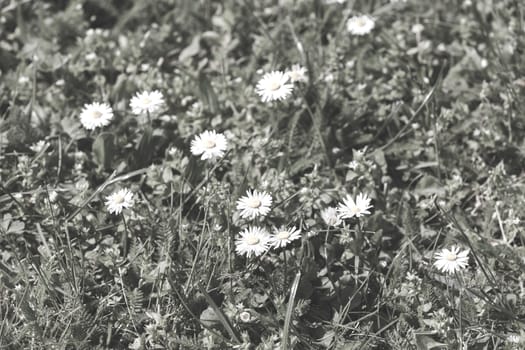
(361, 22)
(96, 114)
(283, 235)
(254, 203)
(354, 209)
(274, 85)
(209, 144)
(252, 240)
(146, 100)
(451, 257)
(119, 199)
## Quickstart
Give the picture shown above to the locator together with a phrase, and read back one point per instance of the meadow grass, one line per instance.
(274, 174)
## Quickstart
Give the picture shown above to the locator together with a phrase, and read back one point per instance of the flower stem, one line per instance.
(124, 238)
(285, 280)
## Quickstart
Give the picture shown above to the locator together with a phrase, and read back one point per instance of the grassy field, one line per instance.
(262, 174)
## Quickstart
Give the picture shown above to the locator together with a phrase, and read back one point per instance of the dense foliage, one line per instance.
(424, 114)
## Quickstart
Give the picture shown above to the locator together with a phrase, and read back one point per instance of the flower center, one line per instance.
(146, 101)
(119, 199)
(254, 203)
(283, 235)
(451, 257)
(252, 240)
(361, 22)
(96, 114)
(274, 85)
(209, 144)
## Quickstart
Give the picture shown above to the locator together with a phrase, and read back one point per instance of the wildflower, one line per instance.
(146, 102)
(53, 195)
(96, 115)
(297, 73)
(245, 316)
(330, 217)
(274, 86)
(255, 203)
(353, 165)
(451, 260)
(350, 208)
(284, 236)
(119, 200)
(514, 338)
(208, 145)
(252, 241)
(360, 25)
(39, 146)
(417, 28)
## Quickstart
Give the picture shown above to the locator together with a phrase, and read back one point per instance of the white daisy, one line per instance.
(119, 200)
(330, 216)
(254, 204)
(96, 115)
(208, 145)
(146, 102)
(360, 25)
(274, 86)
(284, 236)
(350, 208)
(252, 241)
(297, 73)
(452, 260)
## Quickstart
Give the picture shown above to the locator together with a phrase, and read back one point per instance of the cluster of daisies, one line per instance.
(278, 85)
(256, 240)
(97, 115)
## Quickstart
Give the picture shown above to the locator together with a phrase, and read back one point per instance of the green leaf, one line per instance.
(104, 149)
(144, 151)
(424, 342)
(207, 93)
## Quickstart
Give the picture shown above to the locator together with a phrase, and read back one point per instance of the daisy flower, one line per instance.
(146, 102)
(451, 260)
(119, 200)
(274, 86)
(360, 25)
(245, 316)
(255, 203)
(96, 115)
(330, 216)
(208, 145)
(284, 236)
(350, 208)
(297, 73)
(252, 241)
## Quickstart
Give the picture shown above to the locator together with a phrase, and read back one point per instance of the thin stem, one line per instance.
(124, 239)
(149, 119)
(459, 277)
(285, 272)
(326, 246)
